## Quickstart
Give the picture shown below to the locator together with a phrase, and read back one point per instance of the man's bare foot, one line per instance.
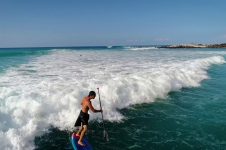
(80, 143)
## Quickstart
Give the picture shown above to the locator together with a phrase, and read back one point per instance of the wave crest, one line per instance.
(141, 48)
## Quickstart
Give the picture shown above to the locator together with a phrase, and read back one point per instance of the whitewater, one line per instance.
(47, 89)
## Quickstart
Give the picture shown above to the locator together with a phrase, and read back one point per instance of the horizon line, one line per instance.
(100, 45)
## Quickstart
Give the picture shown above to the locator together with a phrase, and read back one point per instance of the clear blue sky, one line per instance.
(111, 22)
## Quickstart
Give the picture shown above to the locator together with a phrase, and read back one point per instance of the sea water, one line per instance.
(152, 98)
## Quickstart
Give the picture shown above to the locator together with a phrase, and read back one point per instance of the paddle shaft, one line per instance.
(101, 108)
(105, 132)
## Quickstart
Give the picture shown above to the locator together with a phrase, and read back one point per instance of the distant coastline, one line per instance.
(223, 45)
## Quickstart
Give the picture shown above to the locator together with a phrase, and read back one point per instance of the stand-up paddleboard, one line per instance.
(76, 146)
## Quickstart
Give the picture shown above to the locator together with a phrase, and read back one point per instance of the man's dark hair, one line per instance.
(92, 93)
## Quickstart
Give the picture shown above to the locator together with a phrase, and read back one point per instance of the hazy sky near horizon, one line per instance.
(25, 23)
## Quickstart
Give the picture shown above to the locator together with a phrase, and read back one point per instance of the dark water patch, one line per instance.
(54, 139)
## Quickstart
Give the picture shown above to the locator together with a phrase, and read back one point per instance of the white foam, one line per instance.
(48, 90)
(141, 48)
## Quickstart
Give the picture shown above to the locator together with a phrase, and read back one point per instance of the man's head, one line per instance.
(92, 94)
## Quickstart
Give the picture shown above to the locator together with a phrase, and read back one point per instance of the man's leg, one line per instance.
(84, 127)
(79, 131)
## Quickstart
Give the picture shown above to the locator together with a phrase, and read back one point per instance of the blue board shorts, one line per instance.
(82, 119)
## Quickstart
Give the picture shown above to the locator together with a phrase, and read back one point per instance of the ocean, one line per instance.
(152, 98)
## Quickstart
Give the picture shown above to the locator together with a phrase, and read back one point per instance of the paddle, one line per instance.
(105, 134)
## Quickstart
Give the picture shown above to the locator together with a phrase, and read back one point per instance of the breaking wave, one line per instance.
(48, 90)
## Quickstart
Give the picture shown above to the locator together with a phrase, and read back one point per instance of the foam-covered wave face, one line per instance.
(48, 90)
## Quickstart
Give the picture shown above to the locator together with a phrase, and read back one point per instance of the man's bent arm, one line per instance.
(93, 110)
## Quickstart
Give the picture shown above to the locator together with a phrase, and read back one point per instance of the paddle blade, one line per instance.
(105, 135)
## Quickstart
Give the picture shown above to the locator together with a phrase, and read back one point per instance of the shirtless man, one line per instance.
(84, 116)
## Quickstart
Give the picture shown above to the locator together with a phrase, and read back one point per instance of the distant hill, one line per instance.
(223, 45)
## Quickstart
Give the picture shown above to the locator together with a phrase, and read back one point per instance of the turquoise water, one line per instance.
(13, 57)
(191, 117)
